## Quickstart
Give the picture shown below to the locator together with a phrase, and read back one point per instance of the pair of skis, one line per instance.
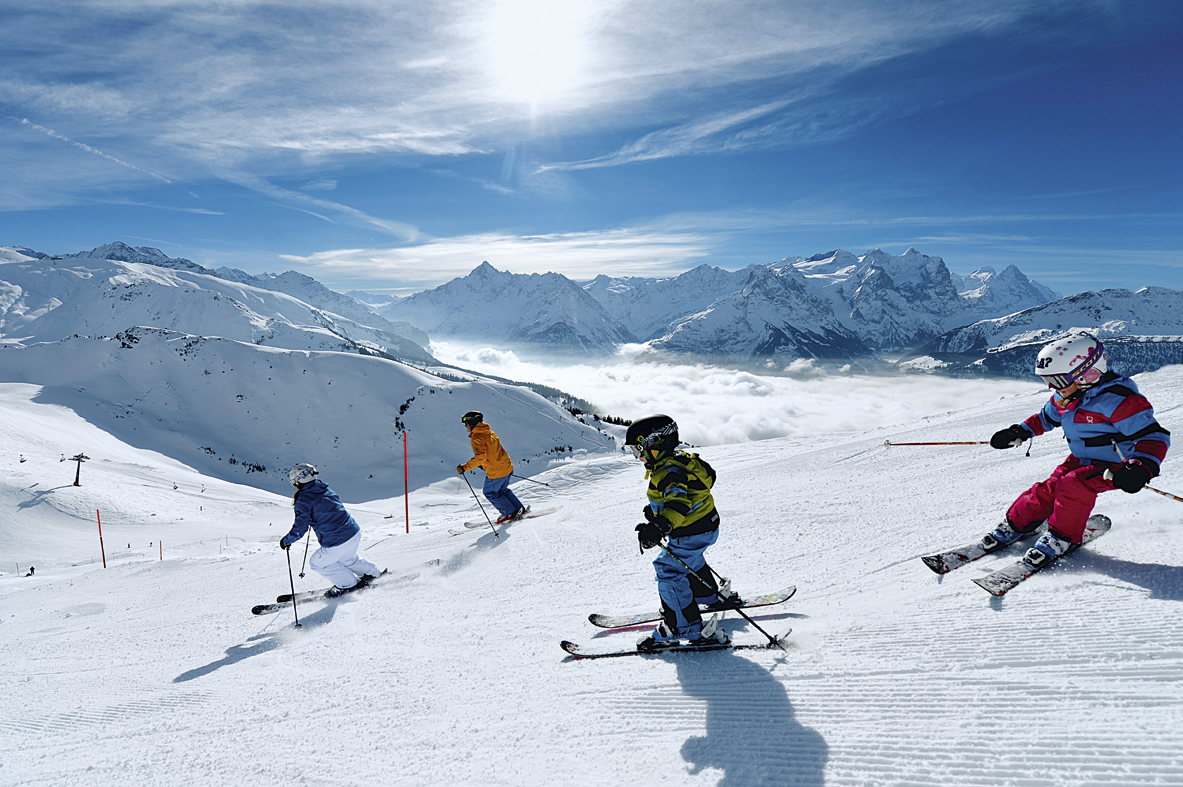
(285, 600)
(624, 621)
(1006, 578)
(468, 526)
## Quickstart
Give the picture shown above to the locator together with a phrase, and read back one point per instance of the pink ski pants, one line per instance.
(1065, 499)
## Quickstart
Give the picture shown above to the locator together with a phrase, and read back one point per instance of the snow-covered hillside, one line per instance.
(47, 299)
(153, 671)
(247, 413)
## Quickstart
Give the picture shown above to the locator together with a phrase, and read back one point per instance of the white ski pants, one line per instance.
(341, 565)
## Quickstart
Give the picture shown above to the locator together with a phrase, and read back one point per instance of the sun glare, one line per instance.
(536, 48)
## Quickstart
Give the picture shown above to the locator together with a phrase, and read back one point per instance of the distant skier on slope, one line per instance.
(489, 455)
(1109, 426)
(682, 509)
(317, 506)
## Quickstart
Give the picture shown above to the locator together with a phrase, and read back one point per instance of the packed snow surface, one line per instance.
(153, 670)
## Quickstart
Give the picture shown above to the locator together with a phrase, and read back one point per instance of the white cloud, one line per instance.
(720, 406)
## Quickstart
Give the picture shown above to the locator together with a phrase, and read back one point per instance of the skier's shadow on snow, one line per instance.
(752, 734)
(262, 643)
(40, 496)
(1163, 582)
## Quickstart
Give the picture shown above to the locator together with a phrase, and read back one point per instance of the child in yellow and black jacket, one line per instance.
(682, 510)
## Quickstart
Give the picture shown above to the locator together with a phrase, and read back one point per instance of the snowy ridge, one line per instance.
(1141, 331)
(153, 671)
(546, 310)
(46, 300)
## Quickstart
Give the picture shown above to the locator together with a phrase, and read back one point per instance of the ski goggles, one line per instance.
(638, 452)
(1058, 381)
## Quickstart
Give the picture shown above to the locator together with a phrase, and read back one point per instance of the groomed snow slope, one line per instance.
(154, 671)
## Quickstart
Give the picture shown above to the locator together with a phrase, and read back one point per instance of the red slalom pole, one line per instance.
(406, 483)
(101, 548)
(889, 444)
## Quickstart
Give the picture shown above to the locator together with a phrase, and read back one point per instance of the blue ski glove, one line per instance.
(650, 534)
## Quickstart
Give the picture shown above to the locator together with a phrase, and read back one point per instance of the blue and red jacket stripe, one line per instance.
(1112, 410)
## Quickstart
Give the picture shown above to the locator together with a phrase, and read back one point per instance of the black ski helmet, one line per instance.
(472, 418)
(654, 431)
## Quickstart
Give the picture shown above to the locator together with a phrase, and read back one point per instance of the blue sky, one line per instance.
(393, 146)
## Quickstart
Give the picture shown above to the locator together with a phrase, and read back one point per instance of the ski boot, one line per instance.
(1004, 534)
(658, 639)
(728, 598)
(711, 635)
(1046, 550)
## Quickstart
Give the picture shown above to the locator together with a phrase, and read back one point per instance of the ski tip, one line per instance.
(935, 563)
(992, 589)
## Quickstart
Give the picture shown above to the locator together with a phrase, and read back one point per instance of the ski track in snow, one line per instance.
(155, 672)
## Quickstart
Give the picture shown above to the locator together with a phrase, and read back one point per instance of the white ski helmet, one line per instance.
(1076, 359)
(302, 474)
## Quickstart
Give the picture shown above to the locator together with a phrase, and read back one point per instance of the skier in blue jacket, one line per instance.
(1114, 439)
(339, 535)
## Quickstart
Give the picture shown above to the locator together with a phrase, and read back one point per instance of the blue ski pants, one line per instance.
(501, 496)
(680, 592)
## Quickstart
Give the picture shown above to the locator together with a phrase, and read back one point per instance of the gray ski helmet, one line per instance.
(654, 431)
(302, 474)
(472, 418)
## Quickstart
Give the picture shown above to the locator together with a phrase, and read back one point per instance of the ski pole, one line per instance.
(889, 444)
(293, 583)
(1109, 476)
(481, 507)
(307, 541)
(531, 480)
(692, 573)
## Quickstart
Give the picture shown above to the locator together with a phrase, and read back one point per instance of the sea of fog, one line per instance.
(715, 405)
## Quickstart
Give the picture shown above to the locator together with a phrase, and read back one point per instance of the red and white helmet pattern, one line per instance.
(1075, 359)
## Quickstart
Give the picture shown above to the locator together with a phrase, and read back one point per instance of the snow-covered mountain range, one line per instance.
(829, 306)
(242, 381)
(547, 311)
(1141, 331)
(833, 305)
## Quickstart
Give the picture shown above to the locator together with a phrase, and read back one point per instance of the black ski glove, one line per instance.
(283, 544)
(1010, 437)
(650, 514)
(650, 534)
(1130, 476)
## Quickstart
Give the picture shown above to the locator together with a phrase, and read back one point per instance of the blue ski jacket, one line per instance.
(1111, 410)
(320, 508)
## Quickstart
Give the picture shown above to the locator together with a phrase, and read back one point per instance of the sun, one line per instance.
(536, 48)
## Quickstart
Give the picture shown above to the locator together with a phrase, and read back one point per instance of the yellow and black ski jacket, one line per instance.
(680, 493)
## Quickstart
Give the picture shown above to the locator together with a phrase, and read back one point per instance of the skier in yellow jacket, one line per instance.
(498, 467)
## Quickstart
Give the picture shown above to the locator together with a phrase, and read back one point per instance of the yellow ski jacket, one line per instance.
(488, 453)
